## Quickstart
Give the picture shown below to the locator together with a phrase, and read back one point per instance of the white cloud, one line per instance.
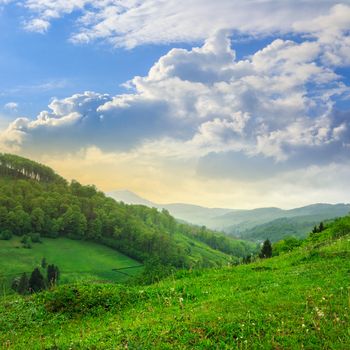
(193, 102)
(129, 23)
(332, 33)
(37, 25)
(12, 106)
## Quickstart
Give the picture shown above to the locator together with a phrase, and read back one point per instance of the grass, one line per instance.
(298, 300)
(201, 253)
(77, 260)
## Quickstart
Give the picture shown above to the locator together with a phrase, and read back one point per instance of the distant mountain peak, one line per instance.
(237, 221)
(130, 197)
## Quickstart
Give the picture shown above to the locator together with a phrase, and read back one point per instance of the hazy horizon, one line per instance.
(213, 207)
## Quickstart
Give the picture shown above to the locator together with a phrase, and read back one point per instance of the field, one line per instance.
(77, 260)
(299, 300)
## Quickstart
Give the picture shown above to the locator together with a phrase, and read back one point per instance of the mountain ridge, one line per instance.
(240, 222)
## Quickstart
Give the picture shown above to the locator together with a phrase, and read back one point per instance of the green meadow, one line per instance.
(298, 300)
(77, 260)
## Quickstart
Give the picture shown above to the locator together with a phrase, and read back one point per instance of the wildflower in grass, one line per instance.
(319, 312)
(181, 302)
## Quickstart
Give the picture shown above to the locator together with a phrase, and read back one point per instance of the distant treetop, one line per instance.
(19, 167)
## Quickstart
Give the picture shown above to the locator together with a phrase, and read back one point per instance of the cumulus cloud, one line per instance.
(129, 23)
(37, 25)
(332, 33)
(278, 103)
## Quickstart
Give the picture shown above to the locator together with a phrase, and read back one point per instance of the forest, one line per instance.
(36, 202)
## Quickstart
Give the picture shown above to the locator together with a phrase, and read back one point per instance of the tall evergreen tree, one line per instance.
(36, 281)
(53, 274)
(266, 250)
(23, 285)
(321, 227)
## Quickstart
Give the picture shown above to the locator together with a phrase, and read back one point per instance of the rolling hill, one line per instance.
(190, 213)
(276, 224)
(296, 300)
(254, 224)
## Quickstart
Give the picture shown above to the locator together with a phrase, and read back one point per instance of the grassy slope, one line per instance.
(294, 301)
(199, 251)
(77, 260)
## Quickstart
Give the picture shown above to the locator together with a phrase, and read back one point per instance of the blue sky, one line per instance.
(233, 104)
(35, 67)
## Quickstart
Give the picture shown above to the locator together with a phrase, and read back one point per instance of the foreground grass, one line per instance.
(77, 260)
(296, 301)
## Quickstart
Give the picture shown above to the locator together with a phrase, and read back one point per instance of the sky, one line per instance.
(236, 104)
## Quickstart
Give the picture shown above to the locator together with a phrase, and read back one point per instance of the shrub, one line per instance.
(286, 245)
(6, 235)
(86, 299)
(26, 242)
(35, 237)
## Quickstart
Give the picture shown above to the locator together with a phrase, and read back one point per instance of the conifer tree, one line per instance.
(23, 285)
(266, 250)
(321, 227)
(36, 281)
(52, 274)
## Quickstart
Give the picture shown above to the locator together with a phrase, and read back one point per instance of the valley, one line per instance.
(130, 276)
(251, 224)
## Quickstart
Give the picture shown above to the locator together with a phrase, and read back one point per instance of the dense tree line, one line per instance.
(18, 167)
(217, 240)
(35, 202)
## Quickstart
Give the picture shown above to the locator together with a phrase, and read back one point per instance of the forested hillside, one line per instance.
(36, 202)
(278, 229)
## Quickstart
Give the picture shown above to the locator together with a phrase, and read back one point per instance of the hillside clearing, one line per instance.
(76, 259)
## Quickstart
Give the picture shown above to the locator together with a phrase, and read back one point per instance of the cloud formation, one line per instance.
(129, 23)
(11, 106)
(278, 103)
(332, 34)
